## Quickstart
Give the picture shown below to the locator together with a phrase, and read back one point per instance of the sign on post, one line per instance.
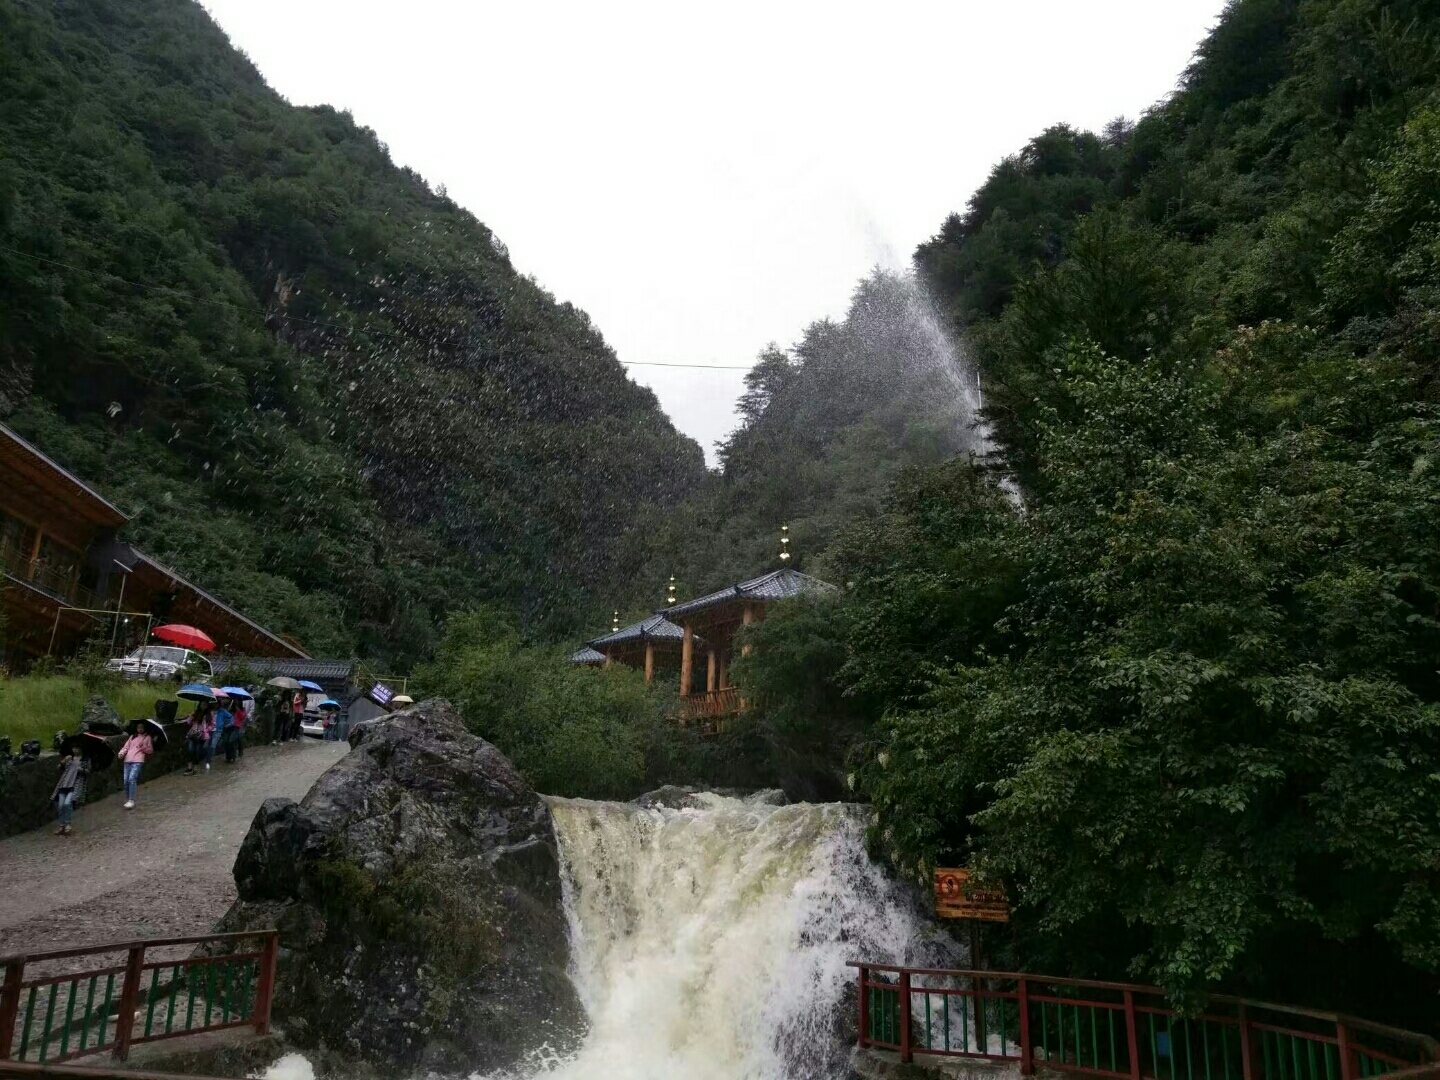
(381, 694)
(988, 905)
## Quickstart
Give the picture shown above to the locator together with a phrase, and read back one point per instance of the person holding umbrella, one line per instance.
(200, 726)
(79, 754)
(71, 768)
(330, 709)
(244, 707)
(222, 734)
(139, 746)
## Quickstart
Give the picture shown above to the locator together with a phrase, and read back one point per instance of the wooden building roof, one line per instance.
(656, 628)
(27, 472)
(189, 603)
(776, 585)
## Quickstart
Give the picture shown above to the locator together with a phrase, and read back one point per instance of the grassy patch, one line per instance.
(36, 707)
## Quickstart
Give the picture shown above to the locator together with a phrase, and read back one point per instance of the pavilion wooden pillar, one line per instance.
(747, 616)
(35, 553)
(687, 660)
(607, 657)
(649, 662)
(710, 672)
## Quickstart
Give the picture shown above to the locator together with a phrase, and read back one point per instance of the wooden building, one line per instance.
(65, 576)
(649, 644)
(56, 541)
(708, 626)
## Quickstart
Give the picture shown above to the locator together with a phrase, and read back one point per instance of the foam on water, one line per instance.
(711, 943)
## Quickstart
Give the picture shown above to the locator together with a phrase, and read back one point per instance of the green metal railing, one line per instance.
(1119, 1030)
(50, 1018)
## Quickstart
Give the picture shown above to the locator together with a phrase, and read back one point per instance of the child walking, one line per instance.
(64, 793)
(137, 748)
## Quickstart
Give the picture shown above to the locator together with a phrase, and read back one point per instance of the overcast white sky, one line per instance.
(707, 178)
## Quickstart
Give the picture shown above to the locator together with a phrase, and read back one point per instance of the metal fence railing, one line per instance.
(49, 1016)
(1122, 1031)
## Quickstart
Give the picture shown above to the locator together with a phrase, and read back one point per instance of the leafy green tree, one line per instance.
(574, 731)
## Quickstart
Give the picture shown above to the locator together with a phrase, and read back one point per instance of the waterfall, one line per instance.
(710, 943)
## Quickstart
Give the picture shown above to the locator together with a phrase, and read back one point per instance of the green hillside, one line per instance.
(1181, 697)
(321, 388)
(826, 427)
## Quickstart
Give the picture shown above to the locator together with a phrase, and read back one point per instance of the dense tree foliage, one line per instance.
(1165, 665)
(320, 386)
(825, 428)
(1176, 687)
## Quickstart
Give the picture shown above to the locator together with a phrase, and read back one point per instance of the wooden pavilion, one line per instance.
(647, 644)
(709, 623)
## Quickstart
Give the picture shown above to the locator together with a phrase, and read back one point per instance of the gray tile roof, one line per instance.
(776, 585)
(655, 628)
(321, 671)
(587, 655)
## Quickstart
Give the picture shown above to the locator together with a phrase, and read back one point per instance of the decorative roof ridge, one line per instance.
(645, 628)
(741, 589)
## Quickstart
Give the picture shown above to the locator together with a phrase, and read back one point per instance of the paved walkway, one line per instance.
(159, 870)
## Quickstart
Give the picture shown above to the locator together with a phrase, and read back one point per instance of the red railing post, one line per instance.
(265, 993)
(129, 999)
(10, 1004)
(1247, 1049)
(1027, 1062)
(906, 1055)
(864, 1039)
(1132, 1035)
(1342, 1041)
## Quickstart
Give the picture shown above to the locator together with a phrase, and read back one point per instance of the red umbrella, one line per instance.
(189, 636)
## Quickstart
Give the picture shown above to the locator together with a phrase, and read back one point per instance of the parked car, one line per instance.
(161, 663)
(312, 724)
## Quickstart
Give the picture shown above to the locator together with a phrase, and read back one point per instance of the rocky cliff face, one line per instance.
(417, 891)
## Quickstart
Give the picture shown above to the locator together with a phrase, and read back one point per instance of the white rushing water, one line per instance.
(710, 943)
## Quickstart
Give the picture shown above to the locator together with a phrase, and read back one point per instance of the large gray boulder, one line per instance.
(417, 891)
(99, 716)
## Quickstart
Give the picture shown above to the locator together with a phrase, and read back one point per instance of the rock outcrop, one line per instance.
(417, 891)
(99, 716)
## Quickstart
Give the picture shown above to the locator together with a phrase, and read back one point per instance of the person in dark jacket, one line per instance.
(268, 718)
(71, 768)
(197, 736)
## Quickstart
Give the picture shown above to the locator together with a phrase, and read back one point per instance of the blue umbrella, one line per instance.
(196, 692)
(237, 691)
(329, 703)
(308, 685)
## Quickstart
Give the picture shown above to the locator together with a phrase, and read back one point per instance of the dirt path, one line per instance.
(159, 870)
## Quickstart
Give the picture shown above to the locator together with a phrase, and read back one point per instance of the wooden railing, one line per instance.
(1123, 1031)
(14, 1070)
(710, 703)
(49, 1017)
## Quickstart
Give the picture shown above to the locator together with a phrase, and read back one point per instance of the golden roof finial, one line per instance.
(784, 543)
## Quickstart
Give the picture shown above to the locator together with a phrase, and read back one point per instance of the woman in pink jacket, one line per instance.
(137, 748)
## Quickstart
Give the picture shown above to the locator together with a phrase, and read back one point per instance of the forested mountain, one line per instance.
(321, 387)
(1182, 697)
(826, 428)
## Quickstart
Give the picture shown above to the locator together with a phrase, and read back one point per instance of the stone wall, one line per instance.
(25, 785)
